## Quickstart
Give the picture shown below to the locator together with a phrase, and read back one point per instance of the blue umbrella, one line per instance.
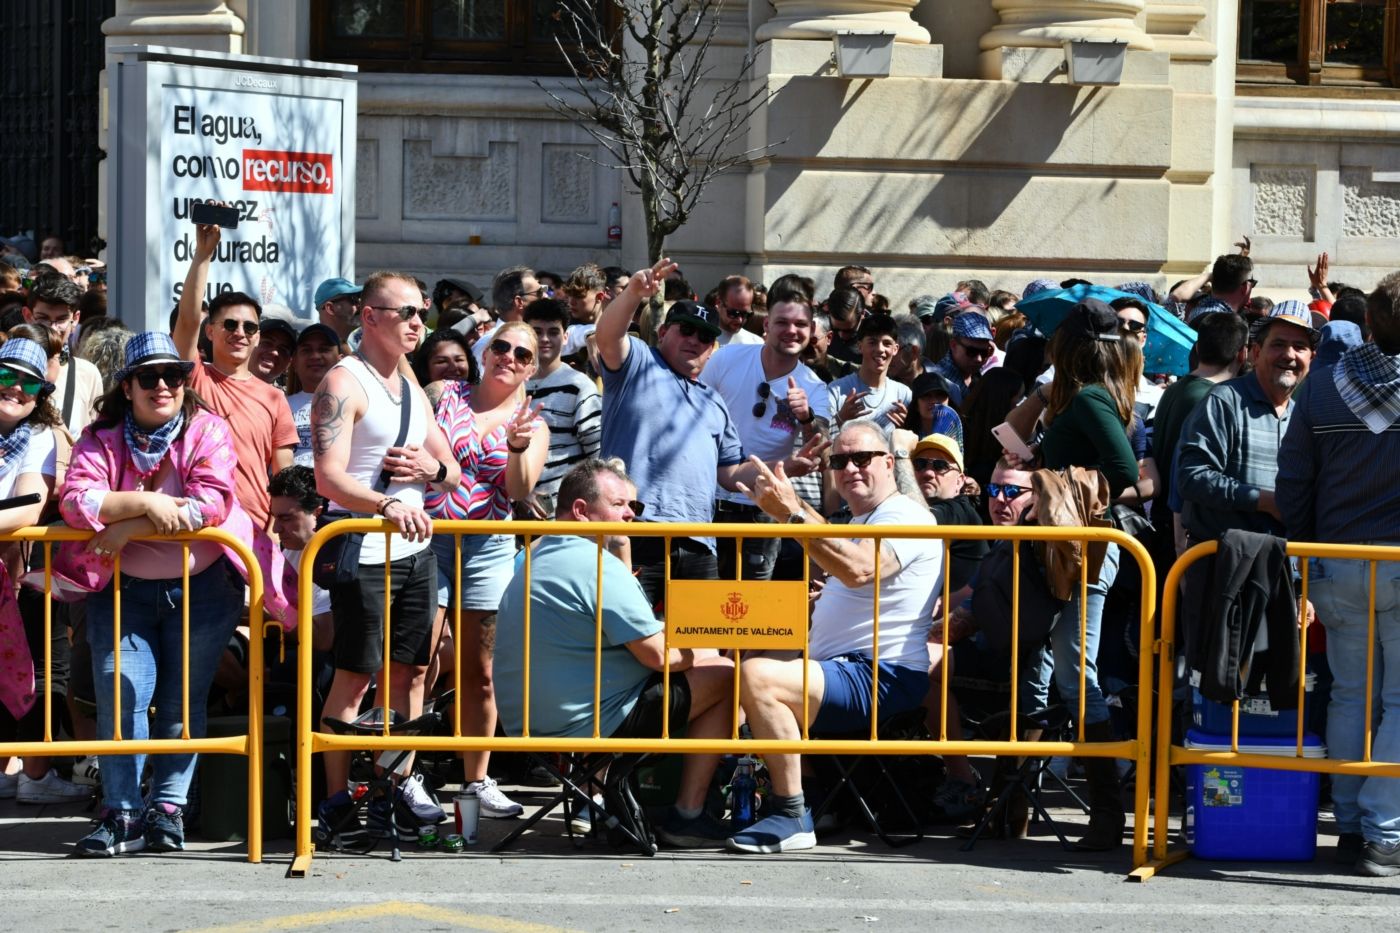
(1169, 340)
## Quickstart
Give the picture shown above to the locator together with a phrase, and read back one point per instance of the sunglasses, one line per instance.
(29, 385)
(405, 312)
(690, 331)
(231, 327)
(937, 464)
(636, 507)
(172, 376)
(1007, 491)
(1131, 326)
(861, 458)
(977, 351)
(737, 312)
(523, 355)
(97, 278)
(761, 405)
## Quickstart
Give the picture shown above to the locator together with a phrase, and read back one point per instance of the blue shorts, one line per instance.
(488, 563)
(846, 696)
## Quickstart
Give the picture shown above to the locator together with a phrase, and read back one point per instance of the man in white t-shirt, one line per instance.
(735, 305)
(909, 574)
(777, 404)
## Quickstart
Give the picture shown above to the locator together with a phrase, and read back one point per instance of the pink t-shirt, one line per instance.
(261, 421)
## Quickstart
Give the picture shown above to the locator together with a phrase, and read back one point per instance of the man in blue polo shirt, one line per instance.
(672, 431)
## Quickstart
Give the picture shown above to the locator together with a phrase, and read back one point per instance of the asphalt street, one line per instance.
(850, 882)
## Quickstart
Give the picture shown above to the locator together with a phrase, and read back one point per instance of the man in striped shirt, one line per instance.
(568, 400)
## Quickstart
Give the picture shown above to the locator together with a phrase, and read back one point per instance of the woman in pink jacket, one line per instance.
(155, 461)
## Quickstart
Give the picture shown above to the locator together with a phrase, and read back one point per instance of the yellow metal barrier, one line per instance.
(1137, 749)
(249, 745)
(1168, 754)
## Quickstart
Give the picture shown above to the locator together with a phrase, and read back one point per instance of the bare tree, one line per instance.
(649, 98)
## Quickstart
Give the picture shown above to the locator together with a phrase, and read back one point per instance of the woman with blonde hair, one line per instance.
(501, 443)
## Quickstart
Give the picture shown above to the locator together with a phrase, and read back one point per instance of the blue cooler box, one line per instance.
(1257, 717)
(1252, 814)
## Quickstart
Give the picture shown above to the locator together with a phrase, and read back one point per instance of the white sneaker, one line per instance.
(87, 772)
(416, 796)
(50, 789)
(9, 783)
(494, 803)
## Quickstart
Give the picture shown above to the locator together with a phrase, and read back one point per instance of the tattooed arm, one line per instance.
(337, 405)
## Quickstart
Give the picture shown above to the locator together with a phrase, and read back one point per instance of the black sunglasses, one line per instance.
(637, 508)
(861, 458)
(937, 464)
(29, 385)
(405, 312)
(172, 376)
(231, 326)
(760, 406)
(1131, 326)
(1007, 491)
(691, 331)
(523, 355)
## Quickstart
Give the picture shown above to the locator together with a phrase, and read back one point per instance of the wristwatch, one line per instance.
(901, 454)
(797, 518)
(441, 473)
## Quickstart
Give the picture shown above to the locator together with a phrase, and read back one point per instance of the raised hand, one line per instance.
(1317, 276)
(808, 459)
(648, 282)
(521, 428)
(772, 491)
(853, 406)
(797, 402)
(896, 414)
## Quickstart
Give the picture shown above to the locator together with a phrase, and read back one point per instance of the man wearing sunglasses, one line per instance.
(53, 302)
(777, 405)
(264, 432)
(511, 291)
(673, 431)
(938, 468)
(838, 678)
(735, 306)
(968, 353)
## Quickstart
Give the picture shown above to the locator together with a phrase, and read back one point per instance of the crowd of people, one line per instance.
(612, 396)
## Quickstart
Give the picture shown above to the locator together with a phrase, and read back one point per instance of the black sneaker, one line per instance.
(338, 824)
(700, 832)
(165, 828)
(118, 831)
(1349, 846)
(1379, 860)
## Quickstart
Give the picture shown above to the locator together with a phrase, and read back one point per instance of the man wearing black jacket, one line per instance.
(938, 467)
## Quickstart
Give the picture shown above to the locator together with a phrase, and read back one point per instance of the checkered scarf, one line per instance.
(13, 447)
(148, 448)
(1369, 382)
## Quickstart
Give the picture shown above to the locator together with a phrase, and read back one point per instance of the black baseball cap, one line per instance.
(686, 311)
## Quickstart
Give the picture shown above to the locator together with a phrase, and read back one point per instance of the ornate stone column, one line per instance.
(1011, 50)
(188, 24)
(822, 19)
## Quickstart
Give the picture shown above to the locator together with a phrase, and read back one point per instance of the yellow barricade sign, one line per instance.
(734, 614)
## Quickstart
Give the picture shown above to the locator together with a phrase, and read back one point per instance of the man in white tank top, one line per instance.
(355, 421)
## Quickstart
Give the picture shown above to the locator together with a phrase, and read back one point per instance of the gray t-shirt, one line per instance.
(672, 433)
(877, 402)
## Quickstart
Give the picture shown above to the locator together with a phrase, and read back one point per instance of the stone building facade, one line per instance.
(975, 157)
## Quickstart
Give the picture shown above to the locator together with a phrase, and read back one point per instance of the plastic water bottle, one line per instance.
(614, 225)
(742, 788)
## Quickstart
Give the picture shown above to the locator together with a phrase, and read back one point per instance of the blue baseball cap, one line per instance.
(331, 289)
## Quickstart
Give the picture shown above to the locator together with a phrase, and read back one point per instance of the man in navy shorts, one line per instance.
(869, 475)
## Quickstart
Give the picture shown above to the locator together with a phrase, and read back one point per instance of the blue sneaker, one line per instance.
(117, 831)
(165, 828)
(775, 833)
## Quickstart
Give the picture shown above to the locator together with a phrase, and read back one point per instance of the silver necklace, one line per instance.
(379, 379)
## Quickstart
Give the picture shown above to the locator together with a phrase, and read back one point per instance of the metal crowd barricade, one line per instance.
(249, 745)
(1169, 754)
(686, 605)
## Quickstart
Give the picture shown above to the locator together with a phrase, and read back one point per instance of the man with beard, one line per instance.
(1228, 459)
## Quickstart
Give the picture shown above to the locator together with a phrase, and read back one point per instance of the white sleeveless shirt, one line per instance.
(370, 438)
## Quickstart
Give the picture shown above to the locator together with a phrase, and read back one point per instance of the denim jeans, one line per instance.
(1339, 590)
(152, 644)
(690, 560)
(1064, 642)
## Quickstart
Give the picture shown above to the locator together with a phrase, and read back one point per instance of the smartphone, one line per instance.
(1012, 441)
(205, 213)
(15, 502)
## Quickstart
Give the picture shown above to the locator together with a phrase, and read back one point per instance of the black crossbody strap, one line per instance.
(406, 403)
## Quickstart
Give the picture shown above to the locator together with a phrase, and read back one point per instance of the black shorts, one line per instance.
(358, 609)
(644, 722)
